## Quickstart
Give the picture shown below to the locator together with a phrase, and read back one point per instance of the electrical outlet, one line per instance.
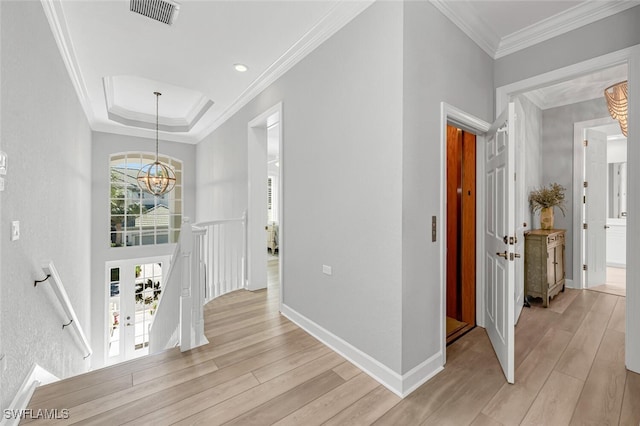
(326, 270)
(15, 230)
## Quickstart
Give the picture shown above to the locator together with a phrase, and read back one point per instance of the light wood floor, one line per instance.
(261, 369)
(616, 282)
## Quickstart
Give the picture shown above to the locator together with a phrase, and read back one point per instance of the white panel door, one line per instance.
(596, 207)
(521, 207)
(500, 225)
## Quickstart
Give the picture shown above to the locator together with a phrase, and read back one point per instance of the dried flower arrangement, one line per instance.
(547, 197)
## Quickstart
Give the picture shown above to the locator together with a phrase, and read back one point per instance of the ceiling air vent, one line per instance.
(161, 10)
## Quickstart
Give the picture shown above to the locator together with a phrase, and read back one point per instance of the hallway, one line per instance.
(262, 369)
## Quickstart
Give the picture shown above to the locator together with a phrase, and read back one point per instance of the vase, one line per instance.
(546, 218)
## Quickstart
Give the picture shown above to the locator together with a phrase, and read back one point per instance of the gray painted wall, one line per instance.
(48, 189)
(341, 162)
(557, 156)
(599, 38)
(460, 73)
(104, 145)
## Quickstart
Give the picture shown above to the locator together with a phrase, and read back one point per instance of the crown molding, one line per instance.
(470, 23)
(561, 23)
(339, 15)
(55, 16)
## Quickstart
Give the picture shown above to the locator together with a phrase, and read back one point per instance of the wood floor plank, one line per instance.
(290, 401)
(484, 420)
(270, 371)
(331, 403)
(573, 316)
(347, 371)
(72, 399)
(562, 301)
(556, 401)
(617, 320)
(470, 396)
(168, 413)
(577, 358)
(183, 362)
(86, 380)
(256, 396)
(112, 401)
(601, 398)
(605, 303)
(296, 335)
(367, 409)
(630, 412)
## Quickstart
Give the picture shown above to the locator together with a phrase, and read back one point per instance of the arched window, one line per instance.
(137, 217)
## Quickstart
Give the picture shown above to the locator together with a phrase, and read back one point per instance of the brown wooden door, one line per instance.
(461, 225)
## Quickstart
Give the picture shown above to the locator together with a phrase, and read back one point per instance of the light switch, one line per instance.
(326, 270)
(15, 230)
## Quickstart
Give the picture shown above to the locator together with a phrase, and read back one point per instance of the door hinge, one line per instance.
(584, 267)
(585, 143)
(514, 177)
(585, 226)
(584, 199)
(586, 184)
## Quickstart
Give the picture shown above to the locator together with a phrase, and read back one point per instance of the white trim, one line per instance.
(58, 24)
(470, 23)
(569, 283)
(578, 16)
(401, 385)
(468, 122)
(632, 341)
(561, 74)
(464, 16)
(578, 191)
(37, 376)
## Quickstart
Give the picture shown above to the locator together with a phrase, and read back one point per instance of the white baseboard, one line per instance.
(401, 385)
(568, 283)
(36, 377)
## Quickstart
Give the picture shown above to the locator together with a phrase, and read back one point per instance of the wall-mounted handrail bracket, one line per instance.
(67, 324)
(36, 282)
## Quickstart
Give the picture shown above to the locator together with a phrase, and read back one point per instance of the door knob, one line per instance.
(516, 255)
(129, 324)
(606, 227)
(502, 254)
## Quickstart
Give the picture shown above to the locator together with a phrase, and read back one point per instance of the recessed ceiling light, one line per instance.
(240, 67)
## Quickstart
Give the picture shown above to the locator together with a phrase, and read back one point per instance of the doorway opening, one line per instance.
(273, 196)
(461, 232)
(604, 209)
(265, 204)
(134, 289)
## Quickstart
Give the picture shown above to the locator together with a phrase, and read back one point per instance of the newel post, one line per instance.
(186, 304)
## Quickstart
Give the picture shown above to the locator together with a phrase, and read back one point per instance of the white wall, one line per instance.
(48, 189)
(440, 64)
(104, 145)
(342, 180)
(557, 156)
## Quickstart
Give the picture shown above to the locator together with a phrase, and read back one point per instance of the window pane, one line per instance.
(174, 236)
(137, 217)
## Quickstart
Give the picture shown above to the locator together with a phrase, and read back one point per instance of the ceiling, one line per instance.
(117, 58)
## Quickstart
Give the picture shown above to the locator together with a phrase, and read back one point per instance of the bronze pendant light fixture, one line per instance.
(617, 97)
(156, 178)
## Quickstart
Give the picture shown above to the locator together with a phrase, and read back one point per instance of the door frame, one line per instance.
(579, 129)
(449, 114)
(168, 258)
(630, 56)
(256, 241)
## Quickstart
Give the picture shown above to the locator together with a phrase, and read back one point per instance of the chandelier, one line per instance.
(156, 178)
(616, 97)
